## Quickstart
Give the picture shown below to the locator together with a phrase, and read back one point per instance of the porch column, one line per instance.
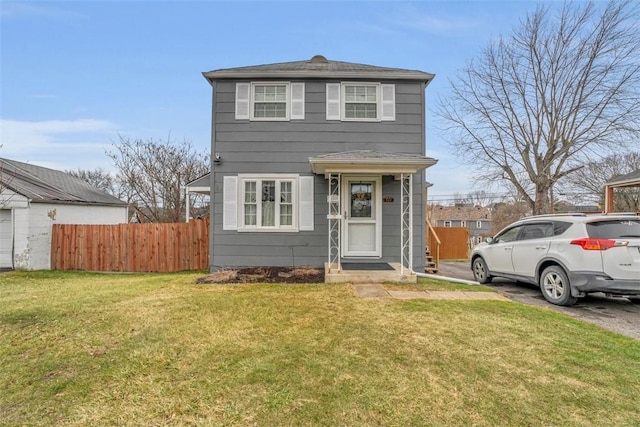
(406, 223)
(608, 199)
(334, 218)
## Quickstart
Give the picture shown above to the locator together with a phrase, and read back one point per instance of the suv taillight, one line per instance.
(589, 244)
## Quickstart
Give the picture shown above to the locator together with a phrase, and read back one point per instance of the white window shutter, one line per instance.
(333, 101)
(388, 102)
(230, 203)
(242, 100)
(305, 197)
(297, 101)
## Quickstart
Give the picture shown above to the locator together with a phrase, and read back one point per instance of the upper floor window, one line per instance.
(463, 223)
(478, 224)
(355, 101)
(447, 223)
(270, 101)
(360, 101)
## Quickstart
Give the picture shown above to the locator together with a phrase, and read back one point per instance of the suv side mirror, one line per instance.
(489, 240)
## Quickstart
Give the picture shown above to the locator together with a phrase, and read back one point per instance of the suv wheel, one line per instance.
(480, 271)
(634, 300)
(555, 286)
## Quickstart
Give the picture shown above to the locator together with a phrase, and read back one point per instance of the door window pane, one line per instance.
(361, 200)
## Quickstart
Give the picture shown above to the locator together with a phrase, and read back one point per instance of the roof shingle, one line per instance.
(41, 184)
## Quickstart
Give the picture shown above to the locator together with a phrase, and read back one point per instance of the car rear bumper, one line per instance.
(592, 281)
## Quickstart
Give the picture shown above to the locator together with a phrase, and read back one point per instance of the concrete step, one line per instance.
(369, 276)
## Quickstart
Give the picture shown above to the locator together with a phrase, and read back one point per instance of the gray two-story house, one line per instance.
(318, 163)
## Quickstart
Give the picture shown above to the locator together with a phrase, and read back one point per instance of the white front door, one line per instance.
(362, 216)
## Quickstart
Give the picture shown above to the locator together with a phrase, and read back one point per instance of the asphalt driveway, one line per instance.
(616, 314)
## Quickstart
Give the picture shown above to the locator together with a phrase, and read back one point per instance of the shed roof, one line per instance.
(40, 184)
(318, 67)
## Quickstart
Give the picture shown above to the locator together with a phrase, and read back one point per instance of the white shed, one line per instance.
(32, 198)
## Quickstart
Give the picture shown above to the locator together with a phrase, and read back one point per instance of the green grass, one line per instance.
(90, 349)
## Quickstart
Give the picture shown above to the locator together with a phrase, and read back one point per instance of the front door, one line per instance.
(362, 216)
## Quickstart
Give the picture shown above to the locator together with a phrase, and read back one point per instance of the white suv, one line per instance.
(567, 255)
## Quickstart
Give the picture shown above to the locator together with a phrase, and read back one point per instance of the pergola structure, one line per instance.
(629, 180)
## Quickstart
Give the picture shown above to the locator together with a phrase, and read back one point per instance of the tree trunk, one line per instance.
(542, 203)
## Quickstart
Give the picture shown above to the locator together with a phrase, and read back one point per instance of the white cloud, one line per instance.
(63, 144)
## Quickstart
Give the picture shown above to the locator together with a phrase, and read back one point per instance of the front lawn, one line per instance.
(91, 349)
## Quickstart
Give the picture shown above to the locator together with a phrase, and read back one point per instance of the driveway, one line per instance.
(616, 314)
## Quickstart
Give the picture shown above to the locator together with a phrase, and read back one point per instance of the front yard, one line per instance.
(90, 349)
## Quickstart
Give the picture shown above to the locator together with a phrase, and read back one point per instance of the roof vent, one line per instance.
(319, 59)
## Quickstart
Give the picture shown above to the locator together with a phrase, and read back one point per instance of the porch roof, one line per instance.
(368, 161)
(200, 185)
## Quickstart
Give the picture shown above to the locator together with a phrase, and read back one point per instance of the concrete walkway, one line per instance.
(378, 291)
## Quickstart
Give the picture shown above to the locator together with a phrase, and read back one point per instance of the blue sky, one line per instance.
(74, 75)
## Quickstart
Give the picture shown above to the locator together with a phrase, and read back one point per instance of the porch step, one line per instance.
(369, 276)
(430, 266)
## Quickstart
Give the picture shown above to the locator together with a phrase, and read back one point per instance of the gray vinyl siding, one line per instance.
(285, 147)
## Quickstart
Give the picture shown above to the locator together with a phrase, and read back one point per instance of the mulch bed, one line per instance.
(265, 275)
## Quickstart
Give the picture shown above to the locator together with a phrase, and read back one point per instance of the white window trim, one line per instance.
(447, 224)
(478, 224)
(303, 201)
(343, 102)
(336, 100)
(294, 99)
(242, 178)
(463, 223)
(252, 100)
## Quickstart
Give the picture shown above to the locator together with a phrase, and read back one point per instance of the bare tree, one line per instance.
(559, 92)
(98, 178)
(479, 198)
(505, 213)
(155, 173)
(587, 184)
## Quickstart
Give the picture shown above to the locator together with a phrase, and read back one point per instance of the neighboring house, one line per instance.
(318, 162)
(476, 219)
(632, 179)
(32, 198)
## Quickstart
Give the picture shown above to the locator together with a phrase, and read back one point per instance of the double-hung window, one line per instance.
(268, 202)
(361, 101)
(270, 101)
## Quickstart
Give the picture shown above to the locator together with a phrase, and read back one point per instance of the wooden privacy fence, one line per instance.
(131, 247)
(454, 242)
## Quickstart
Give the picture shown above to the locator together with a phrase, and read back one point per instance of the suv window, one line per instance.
(536, 231)
(614, 229)
(508, 235)
(560, 227)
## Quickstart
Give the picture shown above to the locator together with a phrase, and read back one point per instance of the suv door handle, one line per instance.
(541, 247)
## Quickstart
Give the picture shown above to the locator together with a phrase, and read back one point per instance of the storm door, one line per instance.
(362, 217)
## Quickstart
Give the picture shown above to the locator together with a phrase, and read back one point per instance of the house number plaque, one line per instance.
(387, 199)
